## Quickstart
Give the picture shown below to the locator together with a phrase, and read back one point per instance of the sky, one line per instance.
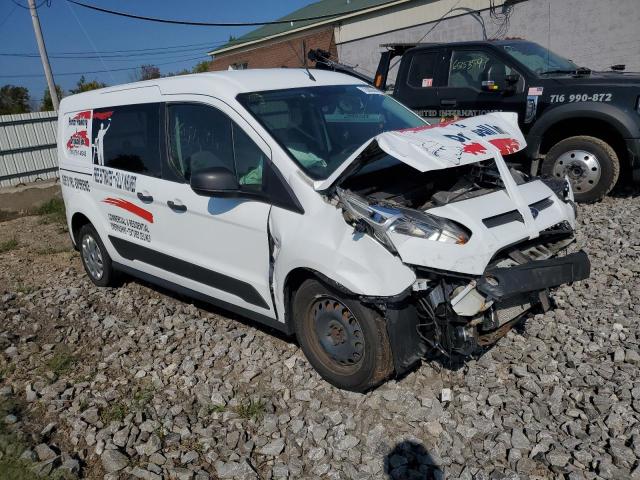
(70, 28)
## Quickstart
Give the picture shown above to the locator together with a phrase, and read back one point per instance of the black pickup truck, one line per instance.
(577, 122)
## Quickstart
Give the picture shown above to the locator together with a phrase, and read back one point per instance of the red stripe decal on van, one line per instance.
(130, 207)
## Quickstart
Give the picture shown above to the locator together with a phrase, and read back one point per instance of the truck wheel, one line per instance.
(95, 258)
(343, 340)
(590, 163)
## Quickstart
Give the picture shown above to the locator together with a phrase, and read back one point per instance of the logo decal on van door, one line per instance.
(130, 207)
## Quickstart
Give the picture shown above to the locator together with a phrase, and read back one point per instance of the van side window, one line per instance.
(199, 138)
(127, 138)
(422, 69)
(202, 137)
(249, 160)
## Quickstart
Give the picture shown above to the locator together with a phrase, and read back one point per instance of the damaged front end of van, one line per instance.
(487, 243)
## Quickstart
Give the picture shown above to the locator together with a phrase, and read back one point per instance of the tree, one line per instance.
(47, 103)
(149, 72)
(184, 71)
(84, 86)
(201, 67)
(14, 99)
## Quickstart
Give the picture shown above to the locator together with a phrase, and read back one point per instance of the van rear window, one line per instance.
(128, 138)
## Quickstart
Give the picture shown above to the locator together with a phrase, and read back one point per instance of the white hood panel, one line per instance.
(446, 145)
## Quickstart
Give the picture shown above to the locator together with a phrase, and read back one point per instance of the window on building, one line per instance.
(422, 69)
(128, 138)
(240, 65)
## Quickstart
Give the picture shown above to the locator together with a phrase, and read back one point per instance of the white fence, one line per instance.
(28, 148)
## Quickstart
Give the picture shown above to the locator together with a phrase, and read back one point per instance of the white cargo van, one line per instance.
(319, 206)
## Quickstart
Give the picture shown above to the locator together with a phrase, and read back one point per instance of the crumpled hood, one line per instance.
(445, 145)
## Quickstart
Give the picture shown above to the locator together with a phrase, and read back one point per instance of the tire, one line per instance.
(344, 341)
(591, 164)
(95, 258)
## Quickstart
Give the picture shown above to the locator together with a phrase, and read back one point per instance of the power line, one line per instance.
(89, 56)
(18, 4)
(4, 20)
(219, 24)
(35, 75)
(143, 51)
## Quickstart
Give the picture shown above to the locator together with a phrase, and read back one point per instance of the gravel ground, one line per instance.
(137, 383)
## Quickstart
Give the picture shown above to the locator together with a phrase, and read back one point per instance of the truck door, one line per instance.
(417, 82)
(479, 81)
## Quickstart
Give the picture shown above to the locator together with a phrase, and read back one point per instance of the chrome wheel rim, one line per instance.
(581, 167)
(92, 257)
(338, 331)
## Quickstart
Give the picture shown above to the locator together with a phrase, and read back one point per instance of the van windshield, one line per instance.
(321, 126)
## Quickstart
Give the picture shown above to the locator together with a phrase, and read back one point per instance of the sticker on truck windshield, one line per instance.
(581, 97)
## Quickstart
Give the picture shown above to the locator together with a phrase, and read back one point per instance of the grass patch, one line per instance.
(52, 212)
(142, 397)
(215, 409)
(7, 370)
(26, 289)
(251, 409)
(62, 361)
(115, 413)
(52, 250)
(9, 245)
(12, 445)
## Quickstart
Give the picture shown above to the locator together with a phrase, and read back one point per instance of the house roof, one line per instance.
(342, 8)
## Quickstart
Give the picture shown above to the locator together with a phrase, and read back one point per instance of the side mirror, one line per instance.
(215, 182)
(512, 79)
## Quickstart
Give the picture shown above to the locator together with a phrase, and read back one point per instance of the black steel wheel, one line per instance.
(345, 341)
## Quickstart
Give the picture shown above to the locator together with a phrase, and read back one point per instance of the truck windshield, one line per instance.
(321, 126)
(539, 59)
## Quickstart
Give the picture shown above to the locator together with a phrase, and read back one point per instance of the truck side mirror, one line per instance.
(215, 182)
(512, 79)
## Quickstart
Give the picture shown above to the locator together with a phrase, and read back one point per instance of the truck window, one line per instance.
(128, 138)
(469, 68)
(202, 137)
(422, 69)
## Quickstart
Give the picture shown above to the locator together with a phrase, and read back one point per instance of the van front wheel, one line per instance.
(345, 341)
(95, 258)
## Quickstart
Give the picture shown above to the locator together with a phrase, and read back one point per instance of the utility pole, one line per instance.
(43, 54)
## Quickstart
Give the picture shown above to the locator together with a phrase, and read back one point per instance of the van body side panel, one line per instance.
(321, 241)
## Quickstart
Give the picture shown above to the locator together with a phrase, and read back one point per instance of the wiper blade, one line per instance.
(578, 71)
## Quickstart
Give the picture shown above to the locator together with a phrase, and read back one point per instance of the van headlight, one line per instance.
(379, 220)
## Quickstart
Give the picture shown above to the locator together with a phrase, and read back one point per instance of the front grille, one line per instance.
(503, 219)
(514, 215)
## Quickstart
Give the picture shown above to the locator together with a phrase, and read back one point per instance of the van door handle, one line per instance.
(177, 207)
(145, 198)
(448, 102)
